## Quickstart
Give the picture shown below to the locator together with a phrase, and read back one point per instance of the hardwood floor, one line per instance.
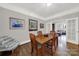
(62, 50)
(25, 50)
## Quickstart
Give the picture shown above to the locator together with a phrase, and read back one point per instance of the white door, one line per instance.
(48, 28)
(71, 30)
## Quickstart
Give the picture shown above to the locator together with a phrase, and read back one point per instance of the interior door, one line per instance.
(71, 30)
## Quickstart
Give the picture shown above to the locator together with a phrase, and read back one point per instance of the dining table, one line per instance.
(42, 40)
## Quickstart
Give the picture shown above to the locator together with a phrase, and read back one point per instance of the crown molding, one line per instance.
(73, 10)
(25, 12)
(20, 10)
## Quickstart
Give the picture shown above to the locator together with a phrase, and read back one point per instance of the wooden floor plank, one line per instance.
(63, 49)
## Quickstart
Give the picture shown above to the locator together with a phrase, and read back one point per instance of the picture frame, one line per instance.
(41, 25)
(16, 23)
(33, 25)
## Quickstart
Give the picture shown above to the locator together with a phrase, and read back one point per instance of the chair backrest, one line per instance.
(33, 41)
(39, 34)
(54, 36)
(53, 33)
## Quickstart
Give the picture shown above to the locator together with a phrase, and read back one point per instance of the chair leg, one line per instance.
(37, 53)
(31, 51)
(52, 53)
(56, 44)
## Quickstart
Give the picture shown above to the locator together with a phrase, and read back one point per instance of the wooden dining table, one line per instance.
(42, 41)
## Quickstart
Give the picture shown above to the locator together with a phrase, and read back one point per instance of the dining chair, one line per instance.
(34, 45)
(40, 34)
(52, 44)
(55, 38)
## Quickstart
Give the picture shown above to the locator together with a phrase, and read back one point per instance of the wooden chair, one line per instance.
(33, 44)
(39, 34)
(53, 43)
(55, 38)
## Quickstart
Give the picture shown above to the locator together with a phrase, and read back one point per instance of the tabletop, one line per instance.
(42, 40)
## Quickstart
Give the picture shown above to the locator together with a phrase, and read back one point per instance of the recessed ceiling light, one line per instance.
(48, 4)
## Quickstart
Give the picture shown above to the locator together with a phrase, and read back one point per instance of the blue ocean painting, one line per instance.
(16, 23)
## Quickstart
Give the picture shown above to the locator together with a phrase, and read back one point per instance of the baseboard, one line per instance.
(24, 42)
(72, 45)
(73, 42)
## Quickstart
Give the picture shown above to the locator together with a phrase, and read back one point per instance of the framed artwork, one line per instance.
(16, 23)
(33, 25)
(41, 25)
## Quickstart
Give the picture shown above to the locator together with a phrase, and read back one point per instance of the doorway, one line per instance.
(53, 27)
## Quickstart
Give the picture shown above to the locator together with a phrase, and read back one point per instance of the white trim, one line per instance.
(72, 42)
(24, 42)
(20, 10)
(25, 12)
(71, 18)
(74, 10)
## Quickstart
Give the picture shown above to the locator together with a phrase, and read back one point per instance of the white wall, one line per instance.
(63, 19)
(48, 27)
(21, 35)
(78, 31)
(39, 29)
(59, 26)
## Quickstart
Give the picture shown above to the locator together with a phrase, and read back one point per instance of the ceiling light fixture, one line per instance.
(48, 4)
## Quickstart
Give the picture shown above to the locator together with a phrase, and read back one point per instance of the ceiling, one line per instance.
(44, 11)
